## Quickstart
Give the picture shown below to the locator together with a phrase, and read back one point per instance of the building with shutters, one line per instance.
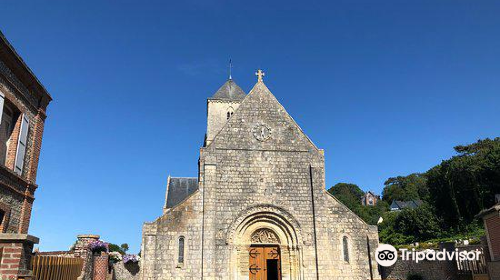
(258, 207)
(23, 103)
(491, 221)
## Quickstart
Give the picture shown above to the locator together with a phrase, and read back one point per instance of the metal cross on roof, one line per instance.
(259, 75)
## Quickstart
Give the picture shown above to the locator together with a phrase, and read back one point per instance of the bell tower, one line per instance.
(221, 106)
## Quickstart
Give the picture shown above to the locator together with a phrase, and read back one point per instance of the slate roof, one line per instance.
(412, 204)
(372, 193)
(495, 208)
(229, 91)
(179, 188)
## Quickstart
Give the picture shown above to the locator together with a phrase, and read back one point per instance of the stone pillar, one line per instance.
(209, 191)
(15, 256)
(450, 267)
(82, 243)
(100, 266)
(82, 251)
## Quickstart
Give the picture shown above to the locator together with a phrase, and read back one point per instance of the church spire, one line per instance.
(230, 69)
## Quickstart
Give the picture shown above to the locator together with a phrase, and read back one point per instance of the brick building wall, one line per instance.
(18, 189)
(491, 220)
(15, 254)
(25, 100)
(492, 224)
(494, 270)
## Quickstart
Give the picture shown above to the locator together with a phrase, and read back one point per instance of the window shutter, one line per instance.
(2, 99)
(21, 145)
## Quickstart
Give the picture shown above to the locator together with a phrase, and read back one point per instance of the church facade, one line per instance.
(258, 208)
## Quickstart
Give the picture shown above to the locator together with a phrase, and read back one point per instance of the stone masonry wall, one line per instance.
(129, 271)
(429, 270)
(217, 116)
(286, 171)
(13, 204)
(82, 250)
(160, 243)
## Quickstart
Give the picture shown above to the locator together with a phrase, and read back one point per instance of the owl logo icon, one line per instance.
(386, 255)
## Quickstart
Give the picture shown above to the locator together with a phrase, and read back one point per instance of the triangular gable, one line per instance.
(262, 123)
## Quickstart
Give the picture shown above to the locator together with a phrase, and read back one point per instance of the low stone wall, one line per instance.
(129, 271)
(429, 270)
(95, 267)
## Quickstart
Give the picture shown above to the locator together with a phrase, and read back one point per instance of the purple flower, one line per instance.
(98, 246)
(131, 258)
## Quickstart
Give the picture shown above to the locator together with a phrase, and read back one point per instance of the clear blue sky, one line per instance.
(387, 88)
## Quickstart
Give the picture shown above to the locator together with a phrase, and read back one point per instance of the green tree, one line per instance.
(124, 247)
(371, 214)
(115, 248)
(350, 195)
(347, 190)
(410, 225)
(462, 186)
(413, 186)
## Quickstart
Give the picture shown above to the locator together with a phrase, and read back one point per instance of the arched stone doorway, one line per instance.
(267, 230)
(264, 256)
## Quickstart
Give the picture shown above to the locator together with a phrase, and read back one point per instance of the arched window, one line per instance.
(345, 245)
(181, 249)
(2, 215)
(230, 112)
(8, 121)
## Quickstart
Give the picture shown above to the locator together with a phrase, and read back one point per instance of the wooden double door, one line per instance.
(265, 263)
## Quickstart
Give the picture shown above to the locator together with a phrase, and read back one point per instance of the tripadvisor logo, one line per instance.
(387, 255)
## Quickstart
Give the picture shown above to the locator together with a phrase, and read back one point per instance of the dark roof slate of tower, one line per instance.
(229, 91)
(179, 188)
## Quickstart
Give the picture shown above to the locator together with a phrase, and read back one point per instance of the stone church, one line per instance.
(258, 208)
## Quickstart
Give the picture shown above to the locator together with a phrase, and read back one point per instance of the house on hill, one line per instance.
(369, 199)
(397, 205)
